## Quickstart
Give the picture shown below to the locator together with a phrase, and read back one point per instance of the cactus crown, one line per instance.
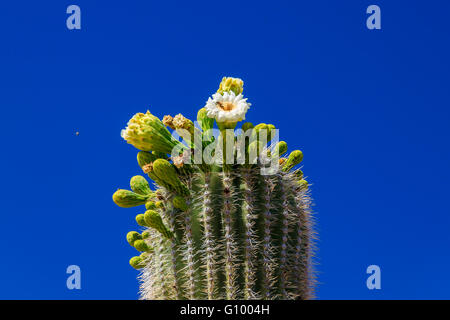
(239, 229)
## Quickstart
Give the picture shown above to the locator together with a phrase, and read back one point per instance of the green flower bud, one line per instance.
(153, 220)
(148, 169)
(144, 256)
(159, 155)
(231, 84)
(136, 262)
(140, 219)
(253, 152)
(140, 185)
(132, 236)
(180, 203)
(260, 126)
(294, 159)
(279, 149)
(150, 205)
(247, 126)
(298, 174)
(263, 130)
(270, 131)
(165, 171)
(128, 199)
(142, 246)
(146, 132)
(145, 158)
(206, 122)
(145, 235)
(159, 204)
(303, 184)
(257, 135)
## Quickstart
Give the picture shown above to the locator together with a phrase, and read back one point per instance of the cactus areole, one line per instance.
(228, 216)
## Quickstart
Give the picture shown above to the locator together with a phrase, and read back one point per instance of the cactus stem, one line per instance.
(267, 239)
(161, 267)
(250, 240)
(153, 276)
(209, 242)
(189, 257)
(174, 254)
(284, 240)
(303, 249)
(228, 208)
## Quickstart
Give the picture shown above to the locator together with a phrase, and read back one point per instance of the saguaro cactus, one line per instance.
(228, 218)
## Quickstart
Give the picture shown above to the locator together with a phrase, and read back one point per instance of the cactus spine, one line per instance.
(215, 229)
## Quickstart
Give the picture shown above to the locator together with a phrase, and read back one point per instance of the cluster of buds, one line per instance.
(146, 132)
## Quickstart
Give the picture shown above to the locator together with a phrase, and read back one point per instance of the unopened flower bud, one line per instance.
(231, 84)
(136, 262)
(247, 126)
(140, 219)
(142, 246)
(140, 185)
(150, 205)
(167, 172)
(153, 220)
(180, 203)
(145, 158)
(294, 159)
(128, 199)
(146, 132)
(279, 149)
(132, 236)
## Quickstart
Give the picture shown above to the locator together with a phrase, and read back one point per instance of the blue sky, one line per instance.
(368, 108)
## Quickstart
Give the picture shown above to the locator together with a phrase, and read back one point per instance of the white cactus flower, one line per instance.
(227, 107)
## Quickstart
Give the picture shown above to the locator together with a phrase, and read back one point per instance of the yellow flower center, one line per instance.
(226, 106)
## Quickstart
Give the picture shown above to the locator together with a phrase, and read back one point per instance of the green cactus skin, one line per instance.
(220, 232)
